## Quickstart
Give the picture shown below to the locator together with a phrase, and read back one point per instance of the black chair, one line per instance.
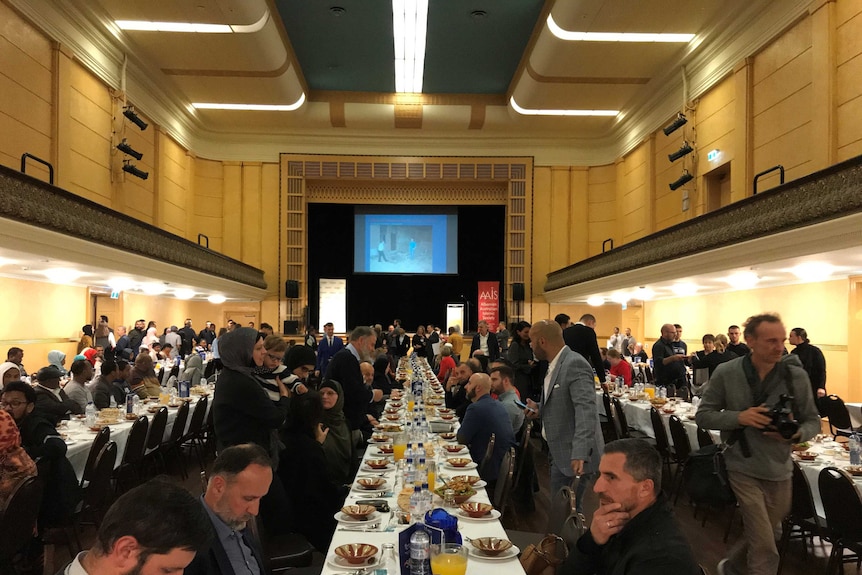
(572, 529)
(18, 520)
(682, 449)
(99, 442)
(171, 447)
(843, 507)
(662, 443)
(561, 507)
(194, 437)
(133, 456)
(621, 417)
(609, 427)
(487, 458)
(503, 487)
(155, 438)
(832, 407)
(802, 522)
(704, 437)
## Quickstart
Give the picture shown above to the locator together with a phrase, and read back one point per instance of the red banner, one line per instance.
(489, 304)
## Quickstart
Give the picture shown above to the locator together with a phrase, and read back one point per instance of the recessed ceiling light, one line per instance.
(120, 284)
(252, 107)
(620, 297)
(192, 27)
(62, 275)
(152, 288)
(216, 299)
(742, 280)
(813, 271)
(537, 112)
(684, 289)
(571, 36)
(184, 294)
(596, 300)
(643, 293)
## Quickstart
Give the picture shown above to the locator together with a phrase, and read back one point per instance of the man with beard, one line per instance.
(207, 335)
(735, 346)
(136, 336)
(188, 338)
(153, 529)
(633, 531)
(240, 476)
(668, 360)
(484, 417)
(344, 368)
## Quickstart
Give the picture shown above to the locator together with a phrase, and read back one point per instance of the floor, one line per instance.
(706, 540)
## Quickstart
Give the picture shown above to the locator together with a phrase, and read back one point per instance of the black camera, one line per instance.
(782, 417)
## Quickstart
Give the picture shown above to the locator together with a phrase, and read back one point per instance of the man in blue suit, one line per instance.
(329, 345)
(570, 419)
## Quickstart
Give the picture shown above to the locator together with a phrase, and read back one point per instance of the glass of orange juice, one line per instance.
(448, 559)
(650, 391)
(431, 472)
(399, 445)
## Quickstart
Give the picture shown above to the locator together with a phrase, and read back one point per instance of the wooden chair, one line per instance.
(99, 442)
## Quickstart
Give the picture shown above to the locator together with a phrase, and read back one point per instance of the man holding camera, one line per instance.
(762, 403)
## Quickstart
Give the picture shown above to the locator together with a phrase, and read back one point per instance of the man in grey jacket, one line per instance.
(738, 401)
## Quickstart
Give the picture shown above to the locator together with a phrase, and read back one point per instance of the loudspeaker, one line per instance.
(518, 292)
(291, 289)
(291, 327)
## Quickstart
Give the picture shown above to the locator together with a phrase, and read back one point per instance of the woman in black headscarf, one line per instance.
(521, 355)
(338, 446)
(244, 413)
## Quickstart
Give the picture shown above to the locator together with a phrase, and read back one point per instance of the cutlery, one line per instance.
(368, 527)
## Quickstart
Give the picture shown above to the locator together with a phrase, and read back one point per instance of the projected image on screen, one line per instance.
(405, 243)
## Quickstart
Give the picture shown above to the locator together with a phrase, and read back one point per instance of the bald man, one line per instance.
(570, 419)
(669, 365)
(483, 417)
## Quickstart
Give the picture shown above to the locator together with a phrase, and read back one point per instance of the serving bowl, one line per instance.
(459, 461)
(806, 455)
(358, 511)
(377, 463)
(469, 479)
(461, 495)
(356, 553)
(385, 448)
(453, 447)
(370, 482)
(491, 545)
(476, 510)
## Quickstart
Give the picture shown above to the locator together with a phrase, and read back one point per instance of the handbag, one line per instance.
(544, 557)
(705, 476)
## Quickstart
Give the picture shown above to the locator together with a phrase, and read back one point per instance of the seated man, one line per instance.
(103, 386)
(502, 378)
(157, 527)
(239, 478)
(52, 403)
(76, 389)
(483, 417)
(620, 367)
(633, 531)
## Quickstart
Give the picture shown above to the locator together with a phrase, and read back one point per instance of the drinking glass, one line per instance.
(448, 559)
(399, 445)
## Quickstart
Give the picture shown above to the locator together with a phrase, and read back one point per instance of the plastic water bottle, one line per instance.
(409, 473)
(417, 511)
(91, 414)
(855, 450)
(426, 498)
(420, 475)
(420, 553)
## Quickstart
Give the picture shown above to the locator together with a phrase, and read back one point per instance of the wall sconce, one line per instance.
(129, 112)
(127, 149)
(676, 124)
(683, 151)
(131, 169)
(685, 178)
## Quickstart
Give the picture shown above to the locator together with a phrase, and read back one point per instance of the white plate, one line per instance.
(492, 516)
(342, 518)
(458, 453)
(379, 453)
(510, 553)
(70, 441)
(471, 465)
(337, 562)
(383, 487)
(389, 467)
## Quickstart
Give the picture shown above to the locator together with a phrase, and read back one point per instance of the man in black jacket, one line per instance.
(344, 368)
(581, 337)
(812, 360)
(633, 531)
(51, 401)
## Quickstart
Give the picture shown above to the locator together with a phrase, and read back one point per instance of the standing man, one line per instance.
(175, 340)
(136, 336)
(503, 337)
(616, 340)
(485, 343)
(581, 337)
(669, 366)
(188, 338)
(628, 340)
(485, 417)
(329, 345)
(103, 334)
(381, 252)
(344, 368)
(122, 349)
(570, 419)
(457, 342)
(737, 401)
(16, 355)
(812, 360)
(678, 344)
(311, 338)
(735, 346)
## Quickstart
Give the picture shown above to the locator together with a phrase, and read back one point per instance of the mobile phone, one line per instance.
(523, 405)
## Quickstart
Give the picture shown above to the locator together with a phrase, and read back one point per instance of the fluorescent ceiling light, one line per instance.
(192, 27)
(216, 298)
(253, 107)
(409, 28)
(184, 293)
(743, 280)
(684, 289)
(62, 275)
(813, 271)
(571, 36)
(596, 300)
(533, 112)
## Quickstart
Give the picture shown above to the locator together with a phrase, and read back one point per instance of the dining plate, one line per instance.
(337, 562)
(471, 465)
(492, 516)
(382, 487)
(389, 467)
(342, 518)
(510, 553)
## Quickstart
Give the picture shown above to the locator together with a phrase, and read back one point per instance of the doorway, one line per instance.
(717, 188)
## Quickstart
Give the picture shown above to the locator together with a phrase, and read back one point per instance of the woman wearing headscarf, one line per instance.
(337, 447)
(9, 372)
(86, 339)
(149, 339)
(315, 496)
(194, 370)
(521, 357)
(244, 413)
(58, 359)
(15, 464)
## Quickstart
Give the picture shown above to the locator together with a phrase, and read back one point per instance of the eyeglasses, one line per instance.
(274, 357)
(12, 404)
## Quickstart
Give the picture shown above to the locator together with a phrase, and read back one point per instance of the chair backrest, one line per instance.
(196, 425)
(841, 502)
(484, 465)
(562, 506)
(802, 507)
(648, 375)
(621, 416)
(97, 495)
(836, 412)
(573, 527)
(18, 520)
(612, 432)
(681, 442)
(180, 423)
(99, 442)
(661, 440)
(503, 488)
(136, 443)
(157, 428)
(683, 393)
(704, 437)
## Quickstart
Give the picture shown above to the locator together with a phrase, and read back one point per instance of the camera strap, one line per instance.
(753, 383)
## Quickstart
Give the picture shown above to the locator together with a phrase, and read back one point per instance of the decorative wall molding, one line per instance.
(31, 201)
(831, 194)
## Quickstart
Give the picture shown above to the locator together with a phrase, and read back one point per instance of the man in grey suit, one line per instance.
(570, 419)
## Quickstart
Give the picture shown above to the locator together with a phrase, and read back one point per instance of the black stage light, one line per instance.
(685, 178)
(127, 149)
(129, 112)
(676, 124)
(128, 167)
(683, 151)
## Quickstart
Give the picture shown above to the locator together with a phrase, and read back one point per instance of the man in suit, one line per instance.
(329, 345)
(485, 345)
(570, 419)
(52, 403)
(581, 337)
(240, 476)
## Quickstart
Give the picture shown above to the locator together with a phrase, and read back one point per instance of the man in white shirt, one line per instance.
(616, 340)
(76, 389)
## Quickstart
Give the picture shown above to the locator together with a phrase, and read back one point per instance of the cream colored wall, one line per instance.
(819, 308)
(848, 96)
